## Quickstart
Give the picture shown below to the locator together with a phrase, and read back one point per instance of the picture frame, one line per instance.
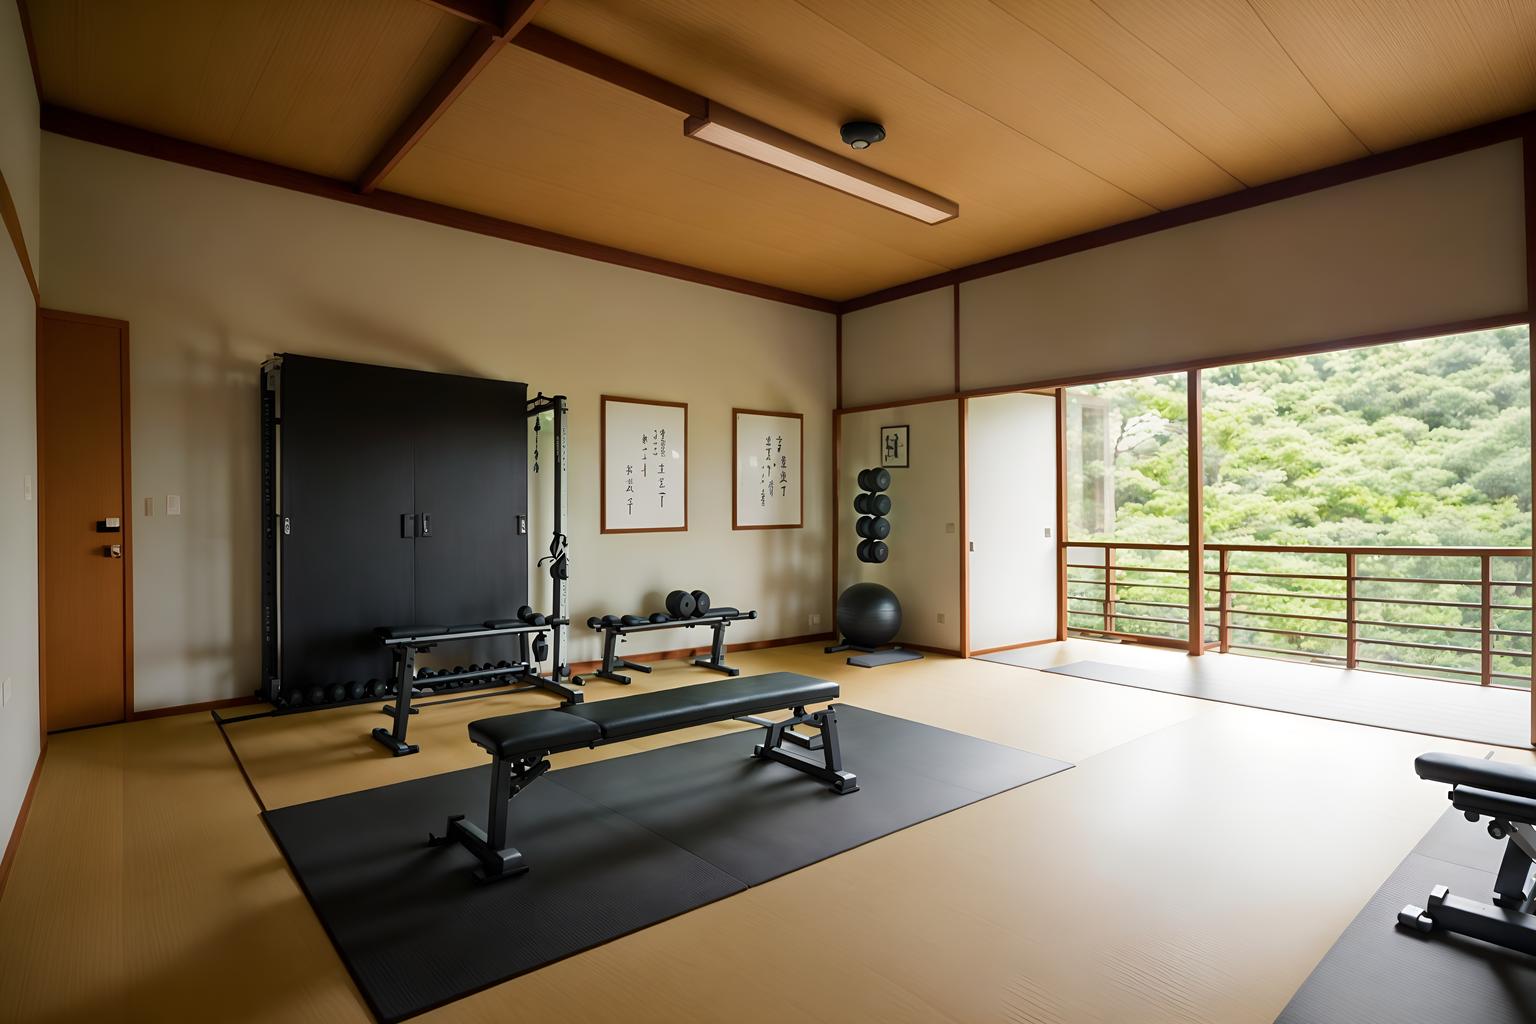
(767, 470)
(642, 465)
(896, 447)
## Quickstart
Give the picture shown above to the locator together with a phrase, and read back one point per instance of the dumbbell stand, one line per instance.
(715, 662)
(405, 651)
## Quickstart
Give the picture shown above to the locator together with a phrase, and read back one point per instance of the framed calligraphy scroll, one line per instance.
(767, 470)
(643, 469)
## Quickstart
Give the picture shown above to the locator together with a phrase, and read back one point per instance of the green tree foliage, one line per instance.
(1420, 444)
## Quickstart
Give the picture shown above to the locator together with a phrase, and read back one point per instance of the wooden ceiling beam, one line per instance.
(481, 12)
(611, 70)
(478, 52)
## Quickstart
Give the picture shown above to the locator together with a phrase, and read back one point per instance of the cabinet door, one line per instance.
(346, 472)
(469, 437)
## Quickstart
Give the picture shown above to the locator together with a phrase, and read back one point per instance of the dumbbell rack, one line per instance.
(612, 631)
(405, 649)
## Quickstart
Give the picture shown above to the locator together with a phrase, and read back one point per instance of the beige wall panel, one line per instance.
(924, 567)
(215, 274)
(19, 143)
(1430, 244)
(900, 349)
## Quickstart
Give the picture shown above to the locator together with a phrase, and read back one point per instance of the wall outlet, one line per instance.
(1047, 531)
(149, 506)
(173, 504)
(815, 618)
(26, 487)
(941, 618)
(949, 527)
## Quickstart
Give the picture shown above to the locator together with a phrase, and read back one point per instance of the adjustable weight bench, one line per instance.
(520, 744)
(1506, 795)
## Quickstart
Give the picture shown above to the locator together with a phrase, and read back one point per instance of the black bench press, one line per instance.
(520, 744)
(615, 627)
(1506, 795)
(407, 641)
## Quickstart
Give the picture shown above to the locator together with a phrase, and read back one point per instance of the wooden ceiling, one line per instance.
(1041, 118)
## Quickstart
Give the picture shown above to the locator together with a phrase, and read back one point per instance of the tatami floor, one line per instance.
(1194, 866)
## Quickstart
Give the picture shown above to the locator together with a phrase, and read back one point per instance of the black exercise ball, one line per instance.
(868, 615)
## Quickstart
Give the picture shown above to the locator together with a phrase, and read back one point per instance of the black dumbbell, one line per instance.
(315, 695)
(336, 692)
(295, 698)
(680, 604)
(610, 620)
(633, 620)
(375, 688)
(879, 504)
(874, 527)
(659, 617)
(878, 551)
(594, 622)
(531, 617)
(700, 603)
(875, 480)
(356, 689)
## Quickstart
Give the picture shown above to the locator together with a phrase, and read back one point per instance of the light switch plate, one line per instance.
(173, 504)
(949, 527)
(1047, 531)
(941, 618)
(5, 691)
(149, 506)
(26, 487)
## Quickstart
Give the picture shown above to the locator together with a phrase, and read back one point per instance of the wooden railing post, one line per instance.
(1351, 625)
(1109, 589)
(1223, 602)
(1487, 633)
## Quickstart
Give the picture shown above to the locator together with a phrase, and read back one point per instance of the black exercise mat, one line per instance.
(1378, 973)
(1368, 699)
(614, 846)
(713, 800)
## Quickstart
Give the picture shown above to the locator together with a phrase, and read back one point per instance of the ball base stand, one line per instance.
(874, 657)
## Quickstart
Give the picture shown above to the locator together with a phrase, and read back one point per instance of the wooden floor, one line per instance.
(1194, 866)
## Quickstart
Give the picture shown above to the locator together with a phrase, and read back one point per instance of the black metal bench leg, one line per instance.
(830, 770)
(1513, 885)
(716, 659)
(393, 740)
(498, 859)
(611, 660)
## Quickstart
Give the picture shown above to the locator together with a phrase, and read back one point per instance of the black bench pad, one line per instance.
(530, 732)
(402, 632)
(682, 706)
(1459, 770)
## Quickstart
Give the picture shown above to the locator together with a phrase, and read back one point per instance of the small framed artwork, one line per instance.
(895, 443)
(767, 470)
(643, 465)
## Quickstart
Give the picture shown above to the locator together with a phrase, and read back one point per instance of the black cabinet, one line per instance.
(394, 496)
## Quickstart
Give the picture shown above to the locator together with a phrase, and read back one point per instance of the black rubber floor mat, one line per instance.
(614, 846)
(715, 801)
(1378, 973)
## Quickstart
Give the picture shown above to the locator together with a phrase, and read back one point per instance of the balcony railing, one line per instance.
(1461, 614)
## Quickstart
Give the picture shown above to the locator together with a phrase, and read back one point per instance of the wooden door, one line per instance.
(82, 417)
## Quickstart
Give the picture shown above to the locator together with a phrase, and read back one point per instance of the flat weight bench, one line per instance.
(520, 744)
(1506, 795)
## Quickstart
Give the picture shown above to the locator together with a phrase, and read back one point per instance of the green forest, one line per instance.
(1419, 444)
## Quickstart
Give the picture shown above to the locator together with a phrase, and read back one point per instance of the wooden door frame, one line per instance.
(121, 326)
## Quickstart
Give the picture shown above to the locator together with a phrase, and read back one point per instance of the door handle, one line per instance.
(114, 551)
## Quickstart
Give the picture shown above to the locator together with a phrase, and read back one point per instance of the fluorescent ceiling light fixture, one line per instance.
(729, 129)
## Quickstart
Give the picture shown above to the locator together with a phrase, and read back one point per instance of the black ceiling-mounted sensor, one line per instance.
(862, 134)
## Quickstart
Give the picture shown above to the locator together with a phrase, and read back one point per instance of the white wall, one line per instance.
(924, 565)
(215, 273)
(1430, 244)
(1010, 443)
(19, 734)
(900, 349)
